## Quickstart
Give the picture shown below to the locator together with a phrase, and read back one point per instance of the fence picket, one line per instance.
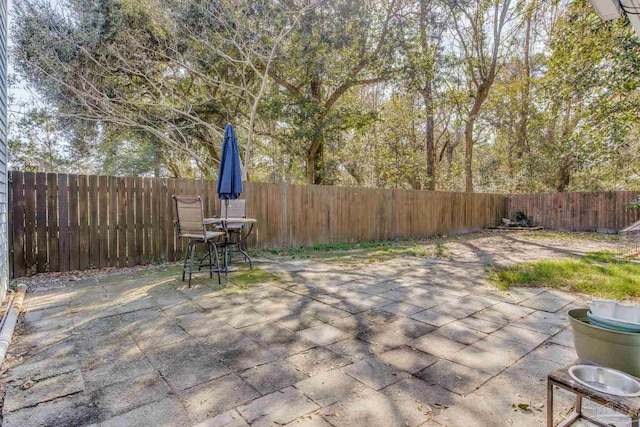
(17, 224)
(94, 226)
(131, 230)
(30, 242)
(103, 220)
(74, 228)
(83, 219)
(61, 222)
(113, 221)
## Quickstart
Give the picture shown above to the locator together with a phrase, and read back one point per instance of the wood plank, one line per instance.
(149, 218)
(30, 242)
(42, 255)
(161, 202)
(103, 220)
(132, 260)
(63, 222)
(113, 220)
(156, 229)
(139, 239)
(122, 222)
(94, 226)
(74, 225)
(83, 219)
(17, 195)
(169, 225)
(52, 215)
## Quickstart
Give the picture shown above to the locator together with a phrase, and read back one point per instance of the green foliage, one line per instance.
(35, 144)
(598, 274)
(634, 204)
(341, 92)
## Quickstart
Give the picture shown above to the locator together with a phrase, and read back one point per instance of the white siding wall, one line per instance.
(4, 246)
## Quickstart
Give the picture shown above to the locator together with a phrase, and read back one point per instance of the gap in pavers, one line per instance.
(216, 397)
(76, 409)
(278, 408)
(28, 393)
(187, 363)
(318, 360)
(272, 376)
(454, 377)
(374, 373)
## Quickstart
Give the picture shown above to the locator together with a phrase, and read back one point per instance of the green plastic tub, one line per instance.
(614, 349)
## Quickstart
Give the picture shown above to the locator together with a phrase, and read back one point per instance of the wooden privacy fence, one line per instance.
(75, 222)
(604, 212)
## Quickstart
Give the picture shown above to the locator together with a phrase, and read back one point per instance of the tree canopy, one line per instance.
(502, 95)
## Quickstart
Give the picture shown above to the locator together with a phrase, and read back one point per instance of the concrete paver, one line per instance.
(374, 373)
(187, 363)
(324, 334)
(280, 407)
(272, 376)
(454, 377)
(408, 359)
(217, 396)
(436, 344)
(459, 332)
(330, 387)
(405, 341)
(30, 393)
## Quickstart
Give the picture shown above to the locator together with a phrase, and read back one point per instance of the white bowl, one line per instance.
(615, 310)
(603, 307)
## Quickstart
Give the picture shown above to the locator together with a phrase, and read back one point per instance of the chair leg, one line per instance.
(186, 257)
(210, 261)
(226, 258)
(242, 248)
(215, 251)
(193, 254)
(205, 255)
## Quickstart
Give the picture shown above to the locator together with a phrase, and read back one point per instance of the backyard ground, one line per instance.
(398, 334)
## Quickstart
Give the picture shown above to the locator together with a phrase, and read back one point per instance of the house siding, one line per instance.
(4, 185)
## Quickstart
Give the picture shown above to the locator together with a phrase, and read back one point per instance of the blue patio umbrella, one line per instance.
(229, 185)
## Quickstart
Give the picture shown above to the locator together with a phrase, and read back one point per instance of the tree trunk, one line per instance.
(427, 94)
(522, 127)
(479, 98)
(468, 155)
(564, 173)
(431, 142)
(315, 167)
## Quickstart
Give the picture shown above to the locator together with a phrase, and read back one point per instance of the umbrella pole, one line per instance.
(226, 237)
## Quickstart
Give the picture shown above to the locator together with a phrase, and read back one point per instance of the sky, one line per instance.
(19, 94)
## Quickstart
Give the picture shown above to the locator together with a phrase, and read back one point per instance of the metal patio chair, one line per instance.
(191, 226)
(236, 209)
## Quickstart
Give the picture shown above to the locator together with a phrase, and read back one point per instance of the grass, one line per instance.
(251, 277)
(600, 274)
(432, 247)
(567, 235)
(331, 249)
(373, 251)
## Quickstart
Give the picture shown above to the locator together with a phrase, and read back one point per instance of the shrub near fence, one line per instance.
(605, 212)
(74, 222)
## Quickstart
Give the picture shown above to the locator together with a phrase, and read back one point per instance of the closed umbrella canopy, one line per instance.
(229, 185)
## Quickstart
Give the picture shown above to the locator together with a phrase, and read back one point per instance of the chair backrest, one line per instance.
(189, 215)
(237, 209)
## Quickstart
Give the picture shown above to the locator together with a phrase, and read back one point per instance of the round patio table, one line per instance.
(242, 239)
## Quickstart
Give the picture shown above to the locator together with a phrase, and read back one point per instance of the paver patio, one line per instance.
(403, 342)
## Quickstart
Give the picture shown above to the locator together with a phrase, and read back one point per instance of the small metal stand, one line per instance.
(629, 406)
